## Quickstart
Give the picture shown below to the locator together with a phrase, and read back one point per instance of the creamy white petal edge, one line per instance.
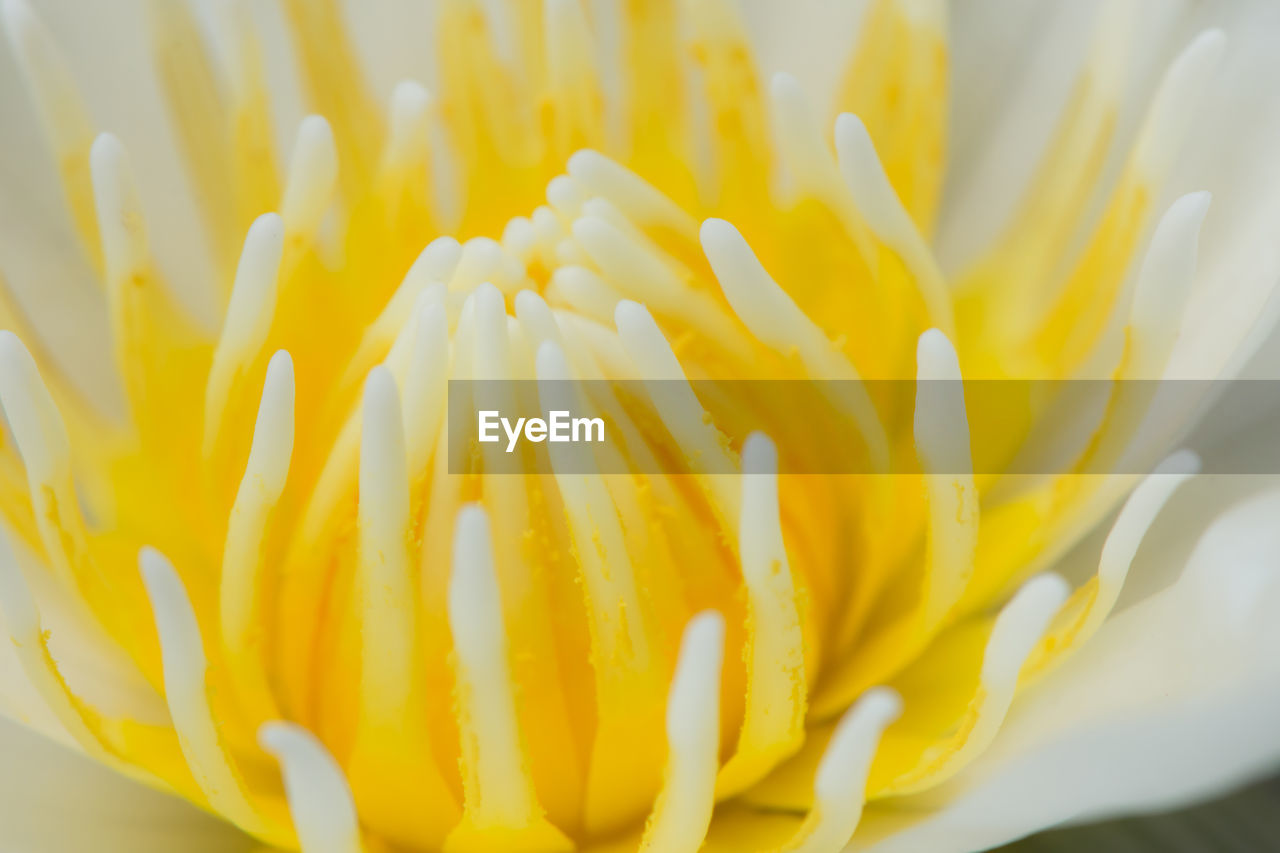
(1175, 698)
(53, 800)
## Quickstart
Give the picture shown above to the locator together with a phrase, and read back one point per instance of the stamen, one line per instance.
(126, 253)
(408, 138)
(1072, 322)
(597, 532)
(628, 265)
(66, 122)
(313, 174)
(392, 745)
(585, 292)
(801, 144)
(335, 84)
(155, 343)
(840, 785)
(640, 200)
(898, 83)
(256, 180)
(1155, 322)
(388, 618)
(877, 201)
(675, 402)
(26, 631)
(41, 438)
(622, 653)
(1015, 634)
(246, 327)
(576, 101)
(484, 259)
(1164, 285)
(243, 569)
(1089, 606)
(429, 274)
(501, 807)
(740, 140)
(777, 687)
(405, 171)
(186, 685)
(942, 444)
(1176, 105)
(324, 815)
(426, 383)
(565, 195)
(770, 314)
(197, 103)
(682, 813)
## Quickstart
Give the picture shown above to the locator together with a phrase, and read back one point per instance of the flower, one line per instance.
(323, 623)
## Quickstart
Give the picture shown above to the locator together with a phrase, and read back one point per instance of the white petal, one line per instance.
(1174, 699)
(53, 800)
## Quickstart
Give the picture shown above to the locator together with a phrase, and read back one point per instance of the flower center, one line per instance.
(527, 662)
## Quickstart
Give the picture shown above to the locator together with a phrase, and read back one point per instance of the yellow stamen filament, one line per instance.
(643, 204)
(778, 323)
(1089, 605)
(942, 443)
(576, 102)
(313, 175)
(773, 722)
(255, 177)
(840, 785)
(898, 84)
(501, 808)
(1012, 639)
(244, 568)
(245, 330)
(887, 218)
(187, 691)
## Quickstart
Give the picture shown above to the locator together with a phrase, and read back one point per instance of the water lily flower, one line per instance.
(261, 601)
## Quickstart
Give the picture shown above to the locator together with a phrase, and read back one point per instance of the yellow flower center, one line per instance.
(473, 661)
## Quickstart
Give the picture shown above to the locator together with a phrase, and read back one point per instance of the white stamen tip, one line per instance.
(759, 455)
(552, 366)
(1176, 104)
(936, 357)
(842, 773)
(253, 294)
(1168, 272)
(313, 174)
(1184, 463)
(33, 417)
(124, 235)
(409, 99)
(319, 797)
(1019, 627)
(697, 681)
(475, 607)
(410, 115)
(272, 444)
(784, 86)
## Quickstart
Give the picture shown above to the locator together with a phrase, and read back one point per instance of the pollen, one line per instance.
(350, 641)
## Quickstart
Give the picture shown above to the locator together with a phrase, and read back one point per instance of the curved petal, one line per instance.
(1175, 699)
(54, 800)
